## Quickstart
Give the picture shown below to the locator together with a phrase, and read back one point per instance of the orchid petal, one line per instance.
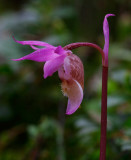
(59, 50)
(35, 48)
(75, 96)
(40, 55)
(37, 43)
(53, 65)
(106, 35)
(64, 71)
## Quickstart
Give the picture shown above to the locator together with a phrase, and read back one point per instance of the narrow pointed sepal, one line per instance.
(37, 43)
(40, 55)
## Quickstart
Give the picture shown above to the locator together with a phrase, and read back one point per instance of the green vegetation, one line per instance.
(32, 110)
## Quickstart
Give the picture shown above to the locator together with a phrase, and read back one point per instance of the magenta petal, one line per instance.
(106, 35)
(75, 97)
(35, 48)
(40, 55)
(64, 71)
(59, 50)
(37, 43)
(53, 65)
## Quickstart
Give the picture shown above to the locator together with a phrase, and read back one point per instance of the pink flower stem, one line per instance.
(103, 113)
(80, 44)
(104, 95)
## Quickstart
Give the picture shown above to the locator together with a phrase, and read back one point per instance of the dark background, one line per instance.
(33, 124)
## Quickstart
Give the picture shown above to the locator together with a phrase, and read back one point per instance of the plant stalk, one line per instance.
(80, 44)
(103, 113)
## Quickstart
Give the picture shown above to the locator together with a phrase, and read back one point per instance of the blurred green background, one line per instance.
(33, 124)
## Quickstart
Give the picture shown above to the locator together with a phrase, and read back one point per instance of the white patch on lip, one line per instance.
(65, 86)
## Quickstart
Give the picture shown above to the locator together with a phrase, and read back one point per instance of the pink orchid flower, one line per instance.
(69, 66)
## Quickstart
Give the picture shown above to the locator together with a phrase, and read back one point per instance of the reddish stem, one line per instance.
(103, 113)
(80, 44)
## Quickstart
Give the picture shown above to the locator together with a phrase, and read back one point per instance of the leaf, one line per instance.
(115, 100)
(118, 52)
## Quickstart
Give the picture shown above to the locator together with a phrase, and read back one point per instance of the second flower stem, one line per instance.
(103, 113)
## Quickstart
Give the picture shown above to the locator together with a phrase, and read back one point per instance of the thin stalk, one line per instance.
(80, 44)
(103, 113)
